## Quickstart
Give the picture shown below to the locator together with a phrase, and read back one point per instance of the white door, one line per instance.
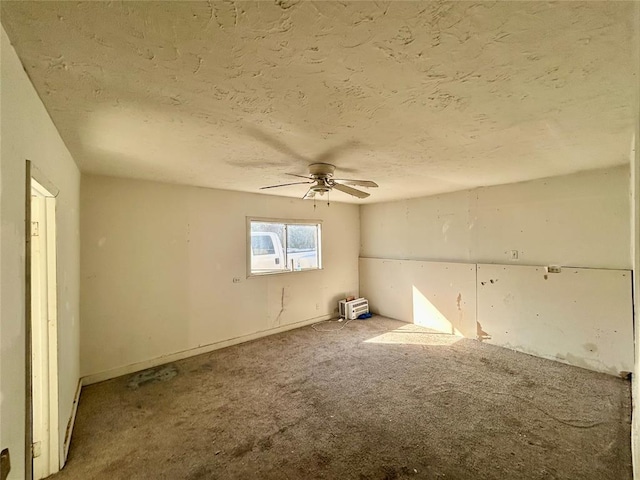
(44, 342)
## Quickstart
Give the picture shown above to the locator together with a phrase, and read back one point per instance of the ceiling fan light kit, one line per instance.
(321, 180)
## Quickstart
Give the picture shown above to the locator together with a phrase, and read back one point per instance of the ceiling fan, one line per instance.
(321, 180)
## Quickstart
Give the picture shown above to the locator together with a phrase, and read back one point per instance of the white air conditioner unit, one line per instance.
(351, 310)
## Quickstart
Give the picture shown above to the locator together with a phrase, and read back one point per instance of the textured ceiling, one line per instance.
(421, 97)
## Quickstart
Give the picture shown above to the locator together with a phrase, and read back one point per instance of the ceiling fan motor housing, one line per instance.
(321, 170)
(321, 180)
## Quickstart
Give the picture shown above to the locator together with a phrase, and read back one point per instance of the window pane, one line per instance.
(278, 247)
(267, 251)
(302, 246)
(262, 245)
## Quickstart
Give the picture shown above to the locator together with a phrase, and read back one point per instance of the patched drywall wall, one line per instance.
(427, 228)
(158, 263)
(578, 316)
(421, 97)
(579, 220)
(27, 133)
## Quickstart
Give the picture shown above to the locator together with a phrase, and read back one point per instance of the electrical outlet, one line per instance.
(513, 254)
(236, 279)
(317, 306)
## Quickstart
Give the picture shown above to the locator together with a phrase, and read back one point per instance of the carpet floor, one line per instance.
(374, 399)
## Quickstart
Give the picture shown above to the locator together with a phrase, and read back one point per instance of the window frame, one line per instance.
(283, 221)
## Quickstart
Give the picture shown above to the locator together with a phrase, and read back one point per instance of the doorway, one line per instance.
(44, 332)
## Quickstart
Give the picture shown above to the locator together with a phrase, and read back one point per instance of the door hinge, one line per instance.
(36, 449)
(35, 228)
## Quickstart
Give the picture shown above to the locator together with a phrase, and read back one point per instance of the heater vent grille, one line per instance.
(351, 310)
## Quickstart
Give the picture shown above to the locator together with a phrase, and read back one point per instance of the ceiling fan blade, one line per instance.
(350, 191)
(328, 155)
(299, 176)
(285, 185)
(309, 194)
(361, 183)
(274, 142)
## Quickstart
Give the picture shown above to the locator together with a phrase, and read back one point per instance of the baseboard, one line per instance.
(70, 424)
(173, 357)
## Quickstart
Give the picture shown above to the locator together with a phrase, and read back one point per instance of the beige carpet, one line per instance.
(378, 399)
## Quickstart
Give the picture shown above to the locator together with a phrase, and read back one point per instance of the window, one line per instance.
(262, 245)
(280, 246)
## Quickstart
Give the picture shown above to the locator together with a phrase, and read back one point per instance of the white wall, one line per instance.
(635, 188)
(437, 295)
(579, 220)
(579, 316)
(158, 262)
(635, 253)
(27, 133)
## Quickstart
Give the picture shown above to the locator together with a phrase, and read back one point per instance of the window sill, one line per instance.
(285, 272)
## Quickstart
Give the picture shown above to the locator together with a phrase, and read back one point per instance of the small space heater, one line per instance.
(351, 310)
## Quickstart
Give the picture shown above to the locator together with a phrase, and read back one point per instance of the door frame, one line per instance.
(48, 430)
